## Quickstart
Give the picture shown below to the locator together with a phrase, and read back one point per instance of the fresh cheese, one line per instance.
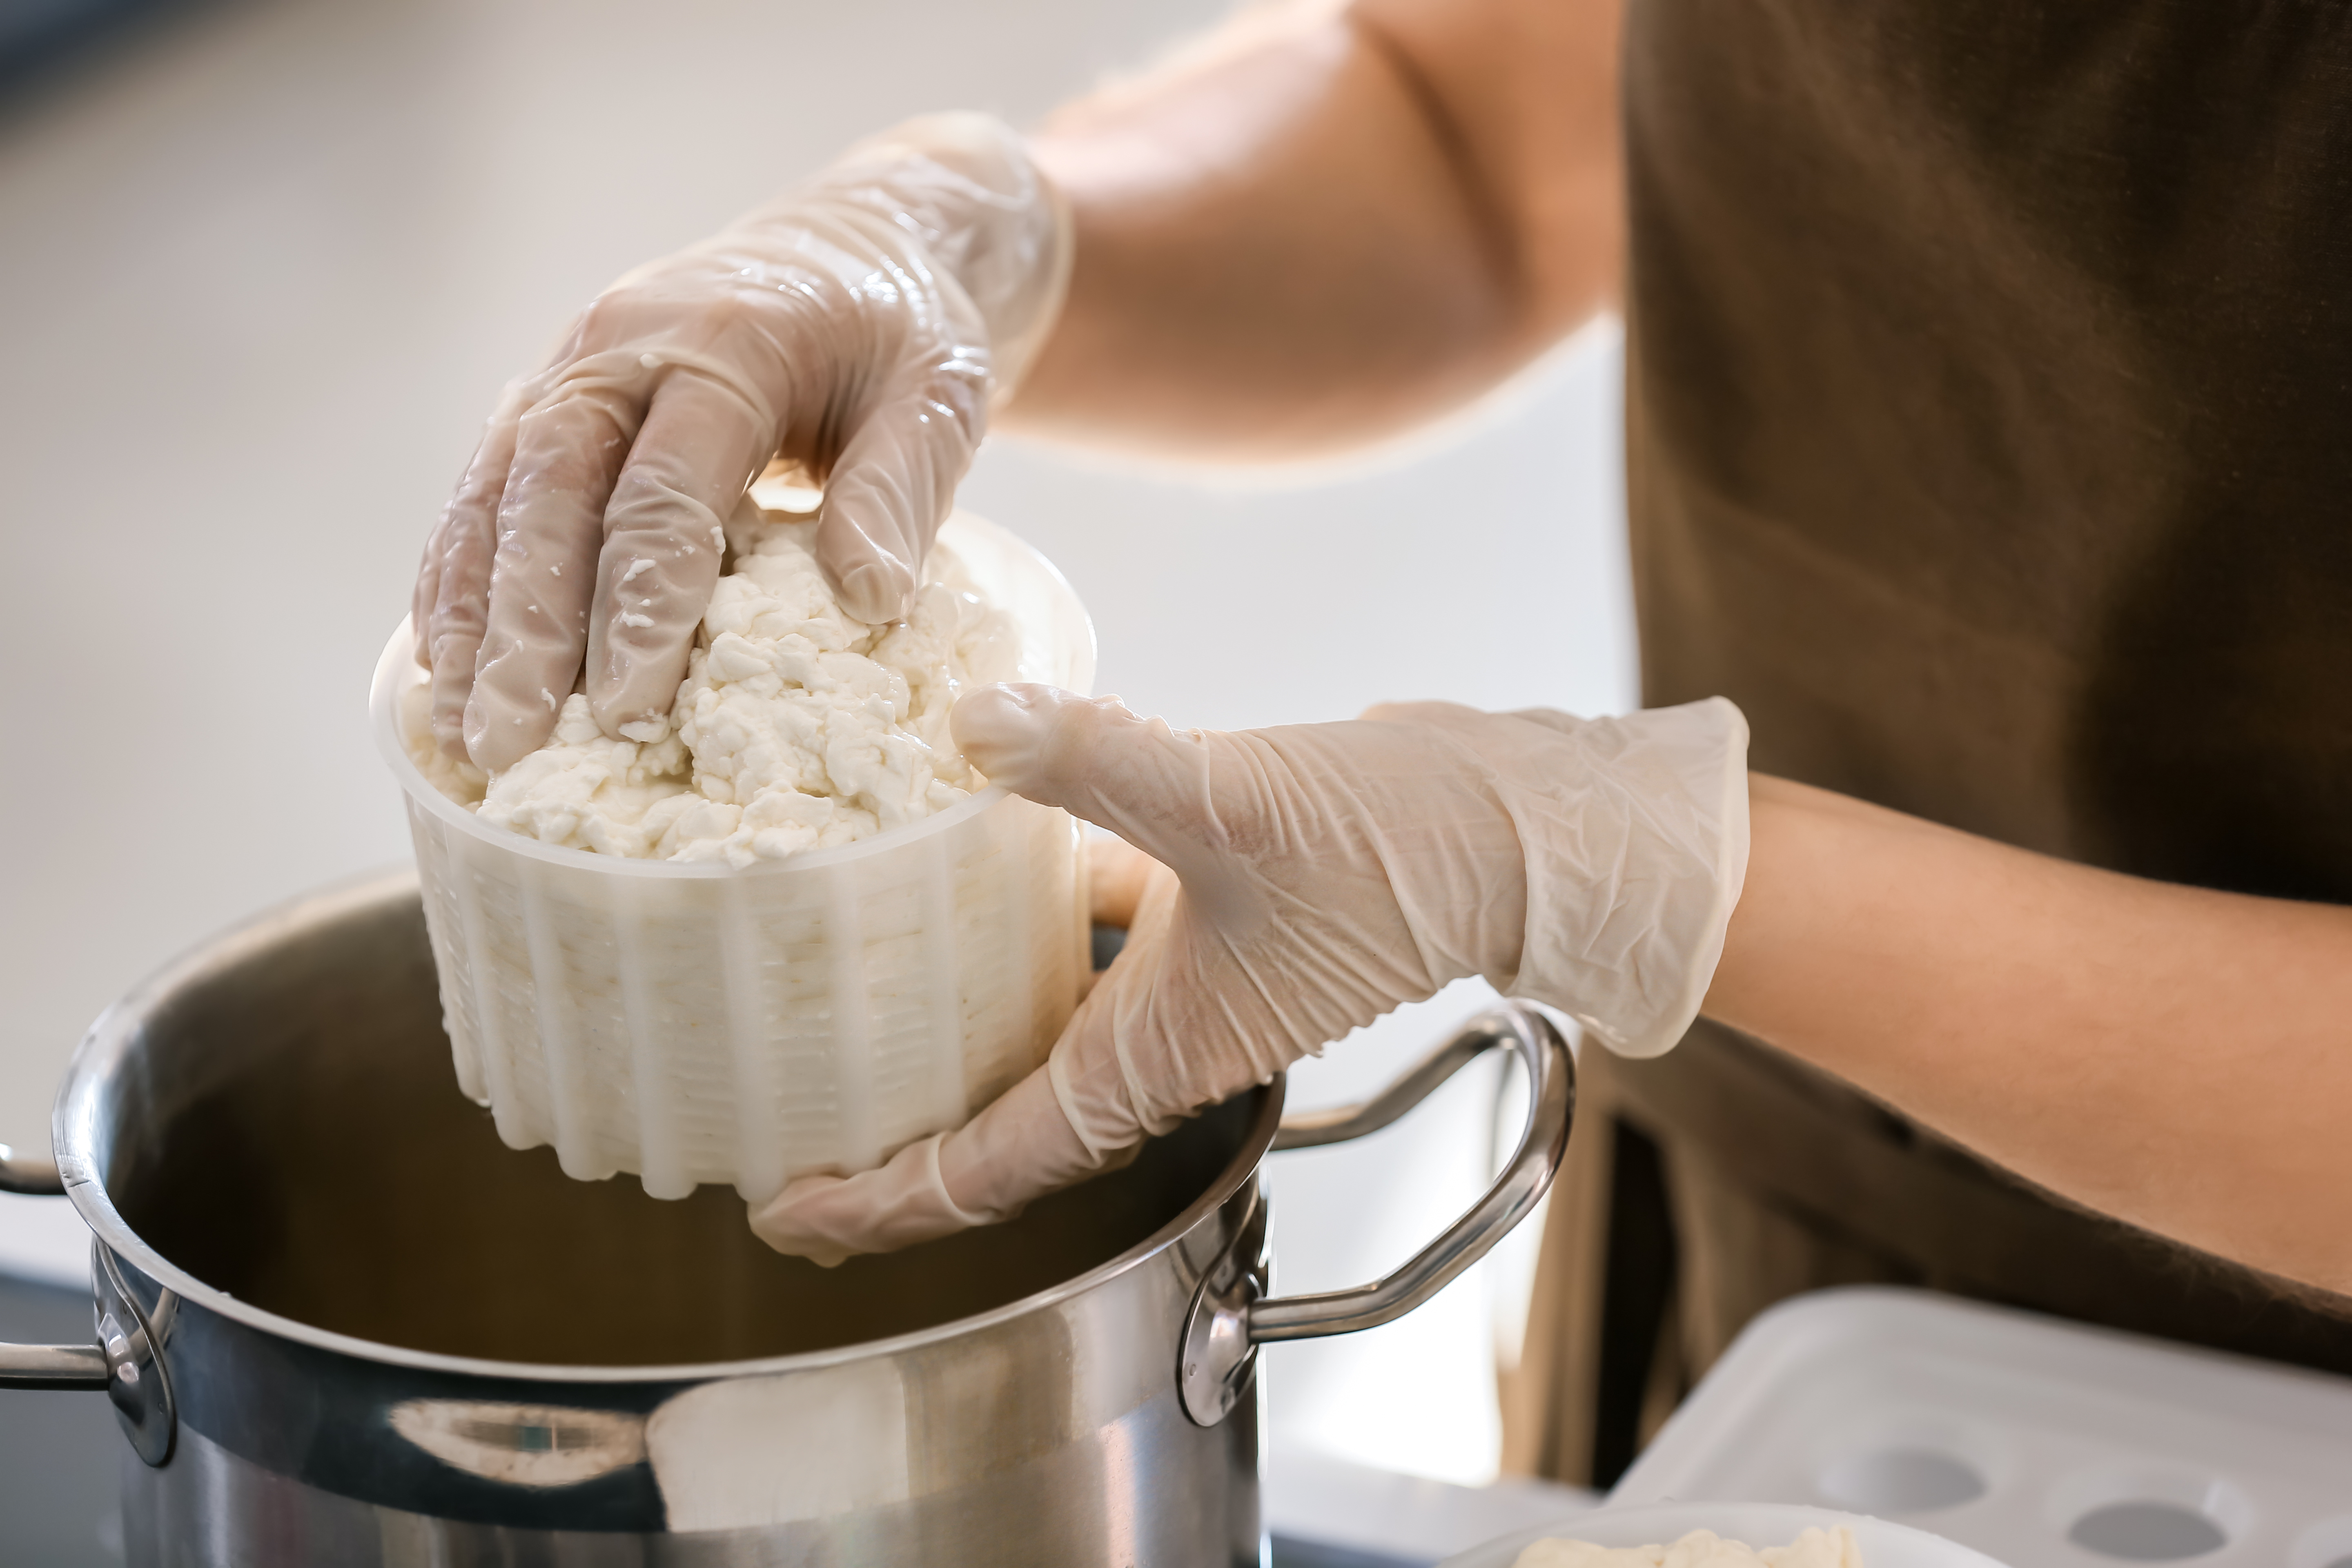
(797, 727)
(1815, 1548)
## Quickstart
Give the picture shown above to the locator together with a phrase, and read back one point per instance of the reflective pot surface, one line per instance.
(344, 1324)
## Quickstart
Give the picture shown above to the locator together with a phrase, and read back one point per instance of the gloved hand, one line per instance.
(858, 328)
(1315, 878)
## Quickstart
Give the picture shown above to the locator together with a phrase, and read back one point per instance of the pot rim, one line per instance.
(74, 1125)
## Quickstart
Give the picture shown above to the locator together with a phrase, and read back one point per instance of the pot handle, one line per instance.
(54, 1366)
(30, 1174)
(1227, 1322)
(124, 1364)
(43, 1366)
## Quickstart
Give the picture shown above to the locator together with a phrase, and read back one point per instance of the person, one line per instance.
(1985, 404)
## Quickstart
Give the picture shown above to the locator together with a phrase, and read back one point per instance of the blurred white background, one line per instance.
(263, 271)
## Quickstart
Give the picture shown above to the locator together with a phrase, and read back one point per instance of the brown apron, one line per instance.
(1990, 441)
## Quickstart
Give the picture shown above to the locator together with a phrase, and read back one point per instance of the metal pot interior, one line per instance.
(282, 1123)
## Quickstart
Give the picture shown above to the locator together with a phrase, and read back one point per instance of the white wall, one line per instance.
(259, 281)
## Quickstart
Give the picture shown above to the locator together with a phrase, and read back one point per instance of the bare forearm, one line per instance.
(1321, 229)
(2179, 1058)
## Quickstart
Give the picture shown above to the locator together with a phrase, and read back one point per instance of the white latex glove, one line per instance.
(1315, 877)
(858, 328)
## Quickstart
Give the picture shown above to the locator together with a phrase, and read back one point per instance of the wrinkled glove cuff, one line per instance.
(1634, 869)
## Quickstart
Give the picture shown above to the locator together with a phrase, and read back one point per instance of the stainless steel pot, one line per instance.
(342, 1323)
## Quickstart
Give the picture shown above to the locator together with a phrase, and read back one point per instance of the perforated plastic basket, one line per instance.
(694, 1023)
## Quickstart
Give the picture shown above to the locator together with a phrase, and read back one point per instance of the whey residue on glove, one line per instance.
(797, 728)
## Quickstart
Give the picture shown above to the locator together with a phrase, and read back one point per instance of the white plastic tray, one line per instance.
(2034, 1441)
(1884, 1544)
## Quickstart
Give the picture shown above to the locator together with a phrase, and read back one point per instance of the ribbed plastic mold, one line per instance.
(694, 1023)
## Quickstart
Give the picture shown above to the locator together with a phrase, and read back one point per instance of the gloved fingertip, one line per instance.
(877, 591)
(1000, 728)
(821, 1253)
(777, 1222)
(627, 717)
(496, 737)
(632, 687)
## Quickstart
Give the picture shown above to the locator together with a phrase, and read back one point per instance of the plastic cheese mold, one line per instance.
(693, 1022)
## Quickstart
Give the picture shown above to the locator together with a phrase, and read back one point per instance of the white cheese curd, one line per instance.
(1815, 1548)
(797, 727)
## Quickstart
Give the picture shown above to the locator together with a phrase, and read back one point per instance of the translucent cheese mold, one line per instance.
(694, 1023)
